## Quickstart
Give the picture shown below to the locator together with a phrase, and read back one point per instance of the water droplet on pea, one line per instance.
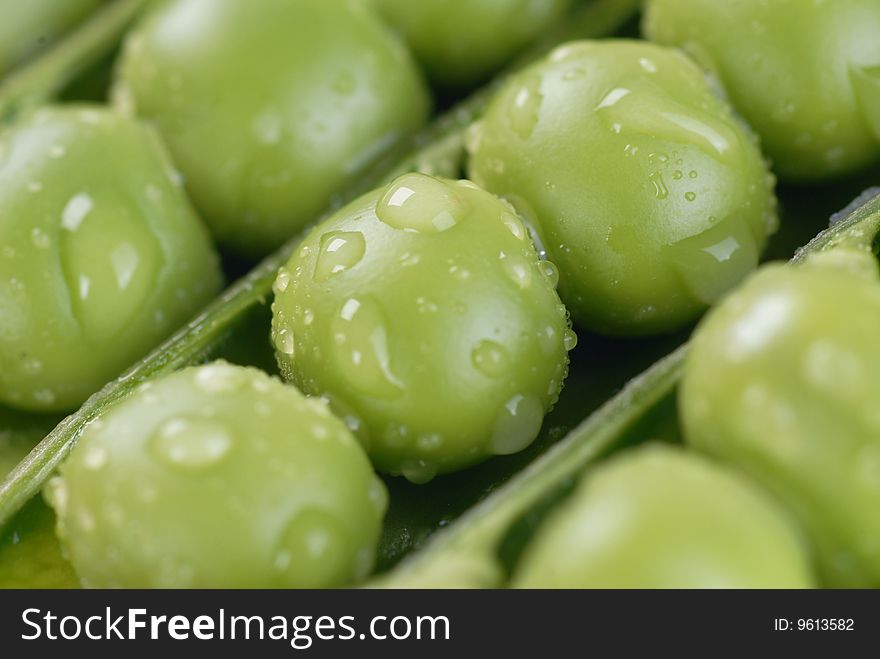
(517, 424)
(659, 185)
(340, 251)
(551, 272)
(526, 107)
(421, 204)
(569, 340)
(490, 358)
(282, 281)
(283, 341)
(361, 348)
(191, 443)
(418, 471)
(312, 548)
(517, 270)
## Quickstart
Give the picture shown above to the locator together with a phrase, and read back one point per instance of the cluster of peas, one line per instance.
(419, 328)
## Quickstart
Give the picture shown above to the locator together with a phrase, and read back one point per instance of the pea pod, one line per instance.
(806, 75)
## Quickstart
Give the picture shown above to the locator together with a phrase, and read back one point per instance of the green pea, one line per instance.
(269, 108)
(658, 517)
(650, 197)
(782, 381)
(101, 255)
(218, 477)
(422, 312)
(27, 27)
(805, 74)
(461, 42)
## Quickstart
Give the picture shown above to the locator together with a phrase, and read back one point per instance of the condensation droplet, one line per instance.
(490, 358)
(420, 203)
(524, 112)
(75, 211)
(340, 251)
(517, 424)
(361, 343)
(191, 443)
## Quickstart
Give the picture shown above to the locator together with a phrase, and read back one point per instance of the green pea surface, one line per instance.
(658, 517)
(30, 25)
(101, 254)
(218, 477)
(650, 197)
(782, 381)
(461, 42)
(422, 312)
(270, 108)
(806, 75)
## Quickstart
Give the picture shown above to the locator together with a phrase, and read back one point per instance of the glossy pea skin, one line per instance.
(218, 476)
(805, 74)
(422, 312)
(30, 26)
(101, 254)
(269, 108)
(659, 517)
(461, 42)
(782, 382)
(651, 199)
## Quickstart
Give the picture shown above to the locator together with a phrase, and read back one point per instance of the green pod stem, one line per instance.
(43, 78)
(438, 150)
(468, 552)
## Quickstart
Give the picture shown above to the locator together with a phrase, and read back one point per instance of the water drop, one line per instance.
(39, 238)
(282, 281)
(517, 424)
(361, 347)
(429, 443)
(340, 251)
(713, 261)
(75, 211)
(490, 358)
(660, 189)
(194, 443)
(283, 341)
(220, 377)
(95, 457)
(418, 471)
(569, 340)
(551, 272)
(524, 112)
(517, 270)
(312, 549)
(514, 225)
(420, 203)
